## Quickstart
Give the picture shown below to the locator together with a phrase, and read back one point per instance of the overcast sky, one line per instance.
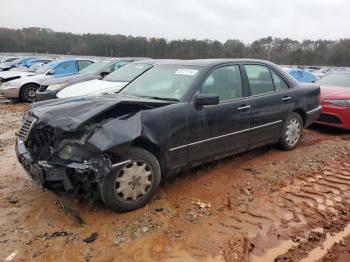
(246, 20)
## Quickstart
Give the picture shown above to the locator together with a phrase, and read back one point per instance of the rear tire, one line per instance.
(132, 185)
(292, 132)
(28, 93)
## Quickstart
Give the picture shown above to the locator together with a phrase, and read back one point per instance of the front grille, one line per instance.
(26, 126)
(331, 119)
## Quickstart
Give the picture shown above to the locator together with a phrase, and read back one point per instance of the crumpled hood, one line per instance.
(11, 74)
(68, 79)
(335, 92)
(69, 114)
(91, 87)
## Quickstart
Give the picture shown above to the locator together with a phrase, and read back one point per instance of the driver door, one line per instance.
(218, 130)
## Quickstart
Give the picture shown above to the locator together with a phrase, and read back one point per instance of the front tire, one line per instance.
(28, 93)
(292, 132)
(133, 185)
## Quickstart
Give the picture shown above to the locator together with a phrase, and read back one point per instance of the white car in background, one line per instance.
(112, 83)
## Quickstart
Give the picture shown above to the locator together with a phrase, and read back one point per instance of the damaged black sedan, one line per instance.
(175, 116)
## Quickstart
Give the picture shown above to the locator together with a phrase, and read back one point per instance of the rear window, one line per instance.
(260, 79)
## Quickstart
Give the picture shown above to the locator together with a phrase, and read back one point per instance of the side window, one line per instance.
(280, 84)
(120, 64)
(260, 80)
(225, 82)
(83, 63)
(116, 66)
(68, 67)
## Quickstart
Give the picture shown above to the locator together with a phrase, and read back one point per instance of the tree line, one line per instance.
(279, 50)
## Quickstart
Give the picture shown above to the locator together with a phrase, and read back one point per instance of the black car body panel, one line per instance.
(102, 129)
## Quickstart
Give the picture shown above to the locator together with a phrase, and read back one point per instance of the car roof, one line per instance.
(154, 61)
(213, 62)
(58, 61)
(339, 72)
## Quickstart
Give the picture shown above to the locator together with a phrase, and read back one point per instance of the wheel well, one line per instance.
(152, 148)
(302, 113)
(27, 84)
(147, 145)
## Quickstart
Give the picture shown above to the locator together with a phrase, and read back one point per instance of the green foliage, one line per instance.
(281, 51)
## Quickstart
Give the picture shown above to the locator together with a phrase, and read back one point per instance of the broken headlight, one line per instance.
(66, 152)
(74, 152)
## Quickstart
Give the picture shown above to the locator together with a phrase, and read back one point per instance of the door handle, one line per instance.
(244, 107)
(286, 98)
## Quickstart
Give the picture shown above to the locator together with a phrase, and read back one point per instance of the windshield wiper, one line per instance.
(162, 98)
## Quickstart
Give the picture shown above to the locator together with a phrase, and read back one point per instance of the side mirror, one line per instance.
(206, 100)
(103, 74)
(51, 72)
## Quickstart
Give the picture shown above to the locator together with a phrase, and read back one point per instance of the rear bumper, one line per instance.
(312, 115)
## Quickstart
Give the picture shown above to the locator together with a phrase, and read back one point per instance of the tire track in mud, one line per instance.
(315, 200)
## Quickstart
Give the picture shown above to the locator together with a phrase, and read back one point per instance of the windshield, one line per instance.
(45, 68)
(127, 73)
(16, 61)
(94, 68)
(35, 67)
(7, 60)
(336, 79)
(168, 82)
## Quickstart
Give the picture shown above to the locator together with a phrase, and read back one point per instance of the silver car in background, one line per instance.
(25, 88)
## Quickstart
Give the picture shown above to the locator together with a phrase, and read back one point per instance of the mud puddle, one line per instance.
(317, 253)
(271, 254)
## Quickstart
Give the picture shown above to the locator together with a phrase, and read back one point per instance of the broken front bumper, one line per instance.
(58, 178)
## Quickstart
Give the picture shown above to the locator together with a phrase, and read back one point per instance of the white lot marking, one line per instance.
(11, 256)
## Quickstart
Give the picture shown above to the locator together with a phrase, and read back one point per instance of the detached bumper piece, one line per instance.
(46, 95)
(59, 178)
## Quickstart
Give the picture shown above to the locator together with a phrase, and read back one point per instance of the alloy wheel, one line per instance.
(30, 93)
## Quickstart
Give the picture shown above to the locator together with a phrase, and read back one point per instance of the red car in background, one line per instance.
(335, 100)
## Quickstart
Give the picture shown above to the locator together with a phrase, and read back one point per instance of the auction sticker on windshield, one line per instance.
(189, 72)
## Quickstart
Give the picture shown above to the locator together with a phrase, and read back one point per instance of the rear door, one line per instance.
(271, 101)
(217, 130)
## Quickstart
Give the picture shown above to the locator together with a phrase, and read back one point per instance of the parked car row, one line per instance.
(152, 118)
(92, 75)
(23, 85)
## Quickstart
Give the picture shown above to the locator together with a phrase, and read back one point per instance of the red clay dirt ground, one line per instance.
(263, 205)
